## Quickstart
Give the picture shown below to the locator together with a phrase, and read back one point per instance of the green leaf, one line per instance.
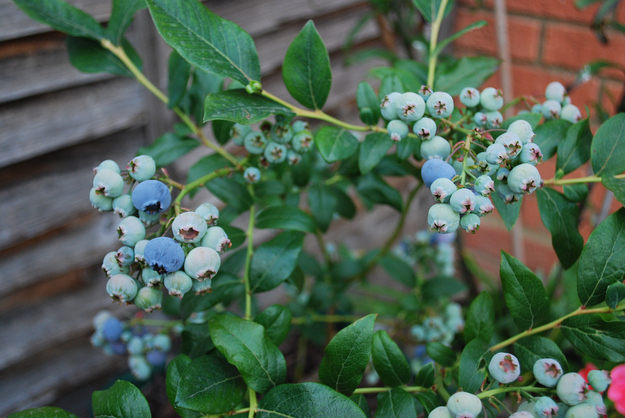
(121, 17)
(389, 361)
(211, 385)
(465, 72)
(473, 26)
(532, 118)
(43, 412)
(615, 294)
(399, 270)
(509, 212)
(306, 69)
(301, 172)
(322, 202)
(362, 403)
(224, 285)
(241, 107)
(574, 150)
(396, 403)
(168, 148)
(603, 259)
(441, 286)
(63, 17)
(480, 319)
(285, 217)
(441, 354)
(347, 355)
(274, 261)
(389, 84)
(122, 400)
(207, 165)
(523, 292)
(305, 400)
(175, 369)
(195, 340)
(425, 376)
(372, 150)
(473, 361)
(245, 345)
(407, 146)
(608, 147)
(429, 8)
(89, 56)
(335, 143)
(373, 188)
(178, 78)
(221, 130)
(345, 205)
(408, 80)
(532, 348)
(560, 217)
(616, 186)
(367, 99)
(595, 337)
(576, 192)
(232, 193)
(210, 43)
(277, 322)
(549, 135)
(429, 401)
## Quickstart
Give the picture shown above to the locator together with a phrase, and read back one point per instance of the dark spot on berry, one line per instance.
(152, 208)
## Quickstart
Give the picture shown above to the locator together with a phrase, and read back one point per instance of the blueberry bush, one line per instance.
(438, 347)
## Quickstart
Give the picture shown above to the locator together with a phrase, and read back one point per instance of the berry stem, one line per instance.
(253, 403)
(201, 182)
(436, 26)
(410, 389)
(579, 180)
(248, 261)
(497, 391)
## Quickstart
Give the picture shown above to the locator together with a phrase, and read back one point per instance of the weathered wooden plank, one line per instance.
(36, 126)
(47, 192)
(14, 23)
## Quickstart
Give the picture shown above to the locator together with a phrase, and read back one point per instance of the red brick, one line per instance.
(524, 35)
(572, 47)
(553, 9)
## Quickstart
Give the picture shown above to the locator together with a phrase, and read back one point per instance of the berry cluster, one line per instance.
(433, 253)
(442, 328)
(146, 350)
(558, 104)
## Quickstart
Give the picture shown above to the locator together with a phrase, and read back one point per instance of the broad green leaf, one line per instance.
(523, 292)
(473, 26)
(399, 270)
(211, 385)
(615, 294)
(224, 287)
(603, 259)
(345, 205)
(396, 403)
(408, 80)
(306, 68)
(207, 165)
(121, 17)
(89, 56)
(473, 362)
(373, 149)
(480, 320)
(509, 212)
(221, 130)
(335, 143)
(210, 43)
(574, 149)
(301, 172)
(241, 107)
(390, 84)
(465, 72)
(245, 345)
(429, 401)
(285, 217)
(616, 186)
(43, 412)
(231, 192)
(195, 341)
(373, 188)
(549, 135)
(202, 84)
(122, 400)
(425, 376)
(274, 261)
(168, 148)
(442, 286)
(277, 322)
(576, 192)
(322, 202)
(269, 187)
(596, 337)
(297, 279)
(347, 355)
(441, 354)
(63, 17)
(608, 147)
(389, 361)
(368, 103)
(362, 403)
(430, 8)
(179, 71)
(560, 217)
(174, 373)
(407, 146)
(416, 68)
(532, 118)
(532, 348)
(305, 400)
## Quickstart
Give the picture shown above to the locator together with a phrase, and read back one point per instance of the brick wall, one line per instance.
(549, 40)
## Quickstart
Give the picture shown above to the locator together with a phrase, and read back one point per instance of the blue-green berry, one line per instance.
(462, 201)
(255, 142)
(491, 99)
(511, 141)
(555, 91)
(251, 175)
(484, 167)
(281, 132)
(397, 129)
(595, 398)
(108, 183)
(107, 165)
(293, 158)
(571, 113)
(531, 154)
(483, 206)
(130, 231)
(387, 106)
(425, 128)
(275, 153)
(523, 130)
(135, 346)
(566, 100)
(149, 219)
(142, 167)
(178, 283)
(464, 403)
(238, 133)
(162, 342)
(551, 109)
(437, 147)
(496, 154)
(494, 119)
(502, 174)
(164, 255)
(442, 188)
(150, 277)
(125, 256)
(443, 219)
(572, 388)
(299, 126)
(139, 367)
(189, 227)
(470, 97)
(151, 196)
(599, 379)
(100, 318)
(484, 185)
(99, 201)
(217, 239)
(537, 108)
(425, 91)
(470, 222)
(524, 179)
(209, 212)
(149, 298)
(506, 194)
(202, 263)
(547, 371)
(121, 288)
(480, 119)
(410, 107)
(203, 287)
(582, 410)
(523, 414)
(139, 247)
(545, 407)
(122, 205)
(440, 412)
(302, 141)
(440, 105)
(434, 169)
(504, 368)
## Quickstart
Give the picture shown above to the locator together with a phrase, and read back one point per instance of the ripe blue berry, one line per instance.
(209, 212)
(142, 168)
(123, 206)
(483, 206)
(100, 318)
(189, 227)
(217, 239)
(299, 126)
(387, 107)
(163, 255)
(281, 132)
(130, 231)
(434, 169)
(496, 154)
(112, 329)
(599, 379)
(151, 197)
(551, 109)
(202, 263)
(484, 185)
(524, 179)
(99, 201)
(547, 371)
(491, 99)
(397, 129)
(437, 147)
(443, 219)
(107, 165)
(470, 97)
(440, 105)
(302, 141)
(442, 189)
(531, 154)
(571, 113)
(238, 133)
(178, 283)
(425, 128)
(149, 298)
(523, 130)
(156, 358)
(121, 288)
(555, 91)
(462, 201)
(545, 407)
(255, 142)
(251, 175)
(494, 119)
(572, 389)
(108, 183)
(504, 368)
(464, 403)
(275, 153)
(410, 107)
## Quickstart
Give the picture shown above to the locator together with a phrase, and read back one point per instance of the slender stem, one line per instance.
(553, 324)
(456, 127)
(409, 389)
(578, 180)
(433, 42)
(253, 403)
(248, 264)
(201, 182)
(440, 385)
(493, 392)
(171, 182)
